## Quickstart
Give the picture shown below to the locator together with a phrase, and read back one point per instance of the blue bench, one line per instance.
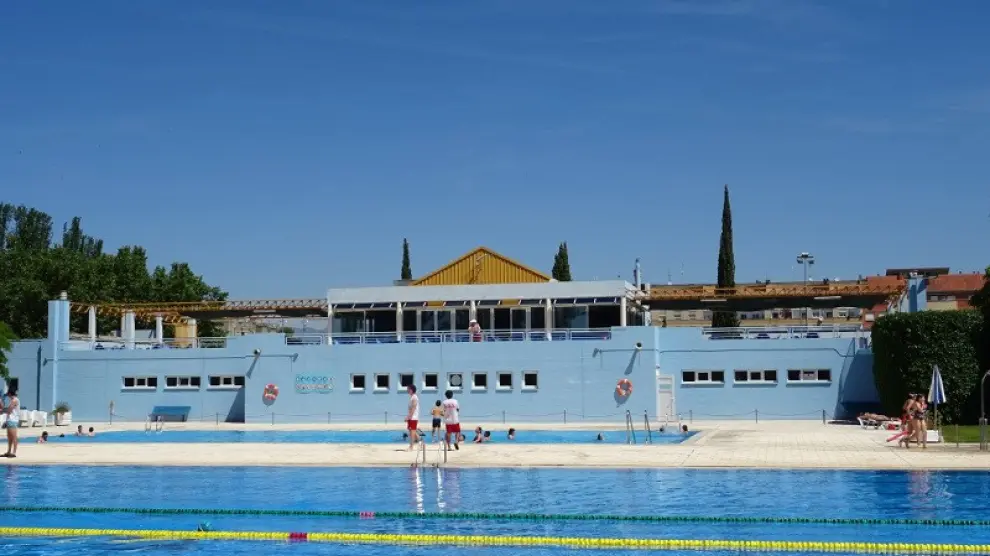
(173, 413)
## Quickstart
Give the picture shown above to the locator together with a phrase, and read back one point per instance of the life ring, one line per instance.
(624, 387)
(271, 392)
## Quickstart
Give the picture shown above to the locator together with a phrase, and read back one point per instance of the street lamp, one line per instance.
(806, 259)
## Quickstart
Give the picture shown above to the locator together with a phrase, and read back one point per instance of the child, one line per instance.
(437, 413)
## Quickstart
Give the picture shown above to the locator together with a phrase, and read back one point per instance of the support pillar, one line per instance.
(472, 310)
(623, 311)
(329, 324)
(92, 326)
(548, 319)
(398, 321)
(129, 327)
(159, 330)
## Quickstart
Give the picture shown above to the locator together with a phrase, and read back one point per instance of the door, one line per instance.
(666, 409)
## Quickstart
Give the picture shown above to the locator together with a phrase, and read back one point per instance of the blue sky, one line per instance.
(285, 147)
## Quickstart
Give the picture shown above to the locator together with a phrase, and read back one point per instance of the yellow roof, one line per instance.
(482, 266)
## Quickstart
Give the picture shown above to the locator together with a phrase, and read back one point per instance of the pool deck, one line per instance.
(771, 445)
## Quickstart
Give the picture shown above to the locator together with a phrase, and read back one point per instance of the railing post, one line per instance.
(218, 420)
(565, 416)
(328, 417)
(503, 416)
(691, 416)
(757, 412)
(273, 419)
(386, 417)
(824, 419)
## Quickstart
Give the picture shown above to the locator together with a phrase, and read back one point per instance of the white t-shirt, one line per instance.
(451, 412)
(414, 407)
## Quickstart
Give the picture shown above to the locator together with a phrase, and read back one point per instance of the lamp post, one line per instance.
(806, 259)
(983, 413)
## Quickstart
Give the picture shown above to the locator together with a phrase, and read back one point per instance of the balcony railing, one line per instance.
(782, 332)
(451, 337)
(144, 344)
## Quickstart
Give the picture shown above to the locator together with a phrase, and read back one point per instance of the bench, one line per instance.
(173, 413)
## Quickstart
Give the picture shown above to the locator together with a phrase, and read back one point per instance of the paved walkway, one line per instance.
(789, 445)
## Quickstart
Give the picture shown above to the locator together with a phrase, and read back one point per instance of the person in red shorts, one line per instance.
(452, 417)
(412, 418)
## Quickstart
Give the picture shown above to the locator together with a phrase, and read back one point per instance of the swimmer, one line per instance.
(487, 437)
(79, 431)
(43, 438)
(512, 434)
(600, 437)
(478, 435)
(91, 432)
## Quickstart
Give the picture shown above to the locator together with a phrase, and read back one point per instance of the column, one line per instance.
(92, 326)
(123, 326)
(623, 308)
(472, 310)
(159, 330)
(398, 321)
(129, 327)
(329, 324)
(548, 318)
(193, 332)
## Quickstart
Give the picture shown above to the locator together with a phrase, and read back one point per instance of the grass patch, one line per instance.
(962, 433)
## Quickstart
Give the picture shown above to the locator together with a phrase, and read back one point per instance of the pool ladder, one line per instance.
(631, 428)
(158, 425)
(421, 456)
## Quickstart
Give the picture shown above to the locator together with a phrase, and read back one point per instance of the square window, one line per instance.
(431, 381)
(530, 380)
(358, 382)
(406, 380)
(479, 381)
(140, 382)
(171, 382)
(381, 382)
(809, 375)
(825, 375)
(504, 381)
(238, 381)
(688, 376)
(742, 376)
(455, 381)
(227, 381)
(128, 382)
(703, 376)
(770, 376)
(194, 381)
(214, 381)
(756, 375)
(793, 374)
(184, 382)
(718, 376)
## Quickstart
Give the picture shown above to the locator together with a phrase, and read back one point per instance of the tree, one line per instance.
(726, 265)
(561, 264)
(33, 271)
(982, 302)
(6, 337)
(406, 273)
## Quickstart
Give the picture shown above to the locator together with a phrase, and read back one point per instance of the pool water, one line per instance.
(360, 437)
(822, 494)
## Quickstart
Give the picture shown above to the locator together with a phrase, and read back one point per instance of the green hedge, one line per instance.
(906, 345)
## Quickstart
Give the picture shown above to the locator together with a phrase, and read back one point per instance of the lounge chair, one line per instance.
(39, 418)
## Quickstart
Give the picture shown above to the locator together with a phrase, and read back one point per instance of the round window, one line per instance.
(455, 380)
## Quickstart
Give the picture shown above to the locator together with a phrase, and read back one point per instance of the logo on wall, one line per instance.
(308, 384)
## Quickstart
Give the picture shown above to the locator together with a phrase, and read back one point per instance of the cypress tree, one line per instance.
(406, 273)
(565, 264)
(726, 266)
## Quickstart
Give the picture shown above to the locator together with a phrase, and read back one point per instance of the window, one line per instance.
(479, 381)
(455, 381)
(530, 380)
(809, 375)
(381, 382)
(504, 381)
(141, 382)
(182, 382)
(405, 381)
(702, 377)
(430, 382)
(226, 381)
(358, 383)
(755, 377)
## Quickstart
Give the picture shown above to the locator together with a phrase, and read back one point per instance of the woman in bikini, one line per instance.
(907, 420)
(920, 421)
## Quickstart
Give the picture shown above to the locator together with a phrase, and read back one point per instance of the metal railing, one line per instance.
(646, 425)
(781, 332)
(450, 337)
(144, 344)
(630, 429)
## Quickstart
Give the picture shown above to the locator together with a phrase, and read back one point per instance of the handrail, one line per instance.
(630, 429)
(762, 291)
(772, 332)
(143, 344)
(649, 431)
(575, 334)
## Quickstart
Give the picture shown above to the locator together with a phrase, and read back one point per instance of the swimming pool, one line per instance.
(707, 493)
(359, 437)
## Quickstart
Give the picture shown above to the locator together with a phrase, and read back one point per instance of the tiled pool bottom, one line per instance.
(363, 437)
(809, 494)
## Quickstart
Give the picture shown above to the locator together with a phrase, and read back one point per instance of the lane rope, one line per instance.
(507, 516)
(489, 541)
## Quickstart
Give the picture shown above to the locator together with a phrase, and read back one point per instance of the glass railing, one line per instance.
(451, 337)
(783, 332)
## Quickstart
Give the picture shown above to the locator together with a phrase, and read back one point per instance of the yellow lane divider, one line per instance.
(486, 540)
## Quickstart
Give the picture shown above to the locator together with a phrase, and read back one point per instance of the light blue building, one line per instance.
(548, 352)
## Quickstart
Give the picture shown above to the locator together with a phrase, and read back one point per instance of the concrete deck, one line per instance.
(772, 445)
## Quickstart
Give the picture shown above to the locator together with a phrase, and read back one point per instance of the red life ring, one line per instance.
(624, 387)
(271, 392)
